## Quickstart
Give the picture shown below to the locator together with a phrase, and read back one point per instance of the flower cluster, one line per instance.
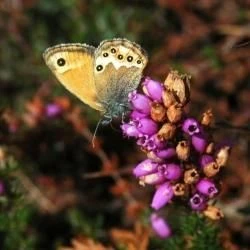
(183, 161)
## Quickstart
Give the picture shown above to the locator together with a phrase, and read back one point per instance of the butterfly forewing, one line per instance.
(72, 64)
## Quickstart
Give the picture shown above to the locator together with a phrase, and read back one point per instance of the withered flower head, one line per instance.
(191, 176)
(210, 148)
(158, 112)
(168, 98)
(174, 113)
(179, 189)
(166, 132)
(211, 169)
(207, 118)
(183, 150)
(213, 213)
(179, 85)
(222, 156)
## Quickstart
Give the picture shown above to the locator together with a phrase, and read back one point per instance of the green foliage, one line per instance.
(191, 231)
(15, 225)
(83, 224)
(15, 213)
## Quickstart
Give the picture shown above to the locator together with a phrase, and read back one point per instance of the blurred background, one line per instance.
(54, 186)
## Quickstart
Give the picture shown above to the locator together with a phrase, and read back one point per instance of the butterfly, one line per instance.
(101, 77)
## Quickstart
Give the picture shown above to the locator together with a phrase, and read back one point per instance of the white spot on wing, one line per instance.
(113, 58)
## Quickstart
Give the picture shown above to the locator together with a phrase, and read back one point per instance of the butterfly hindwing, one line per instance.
(118, 67)
(72, 64)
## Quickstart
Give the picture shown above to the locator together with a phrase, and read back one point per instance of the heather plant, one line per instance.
(183, 161)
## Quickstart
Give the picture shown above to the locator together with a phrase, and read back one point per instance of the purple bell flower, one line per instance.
(207, 187)
(140, 102)
(162, 196)
(153, 89)
(142, 140)
(147, 126)
(165, 153)
(137, 115)
(151, 145)
(160, 226)
(199, 142)
(197, 202)
(154, 143)
(130, 130)
(191, 126)
(144, 168)
(171, 171)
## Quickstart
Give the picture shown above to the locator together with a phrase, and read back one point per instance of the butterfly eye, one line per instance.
(113, 50)
(105, 54)
(130, 58)
(61, 62)
(99, 67)
(138, 61)
(120, 57)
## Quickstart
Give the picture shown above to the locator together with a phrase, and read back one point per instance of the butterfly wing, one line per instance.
(72, 64)
(118, 66)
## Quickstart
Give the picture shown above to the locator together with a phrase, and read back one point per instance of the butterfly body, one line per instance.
(101, 77)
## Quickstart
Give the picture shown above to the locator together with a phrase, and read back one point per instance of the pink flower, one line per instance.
(153, 89)
(191, 126)
(197, 202)
(207, 187)
(199, 142)
(162, 196)
(139, 102)
(130, 130)
(147, 126)
(160, 226)
(145, 167)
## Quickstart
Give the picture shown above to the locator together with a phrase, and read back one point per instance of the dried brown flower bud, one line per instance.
(171, 79)
(158, 112)
(207, 118)
(213, 213)
(168, 98)
(174, 113)
(191, 176)
(211, 169)
(183, 150)
(179, 189)
(179, 85)
(210, 148)
(222, 156)
(166, 132)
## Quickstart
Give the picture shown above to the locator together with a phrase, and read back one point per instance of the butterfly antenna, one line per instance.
(94, 135)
